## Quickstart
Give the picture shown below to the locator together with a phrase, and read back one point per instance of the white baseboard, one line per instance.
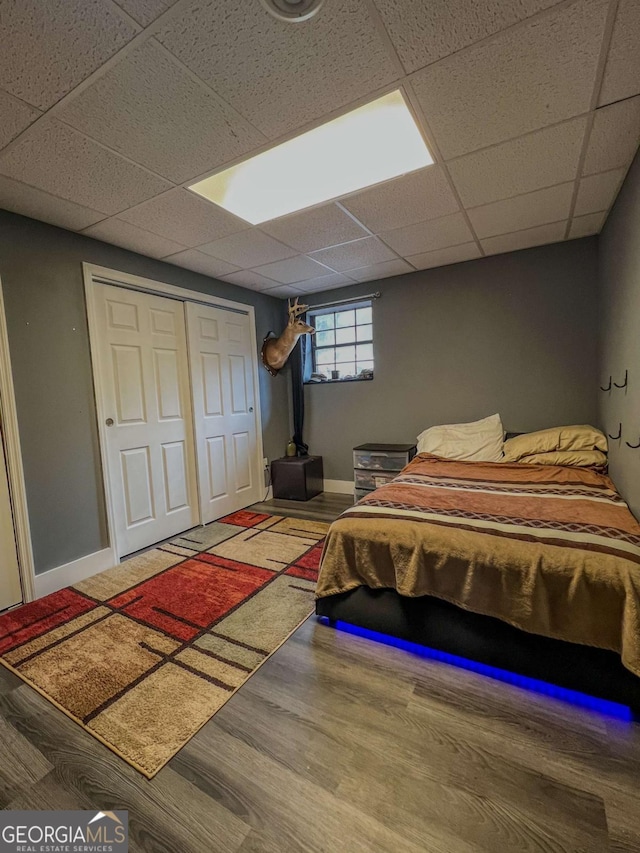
(74, 572)
(339, 487)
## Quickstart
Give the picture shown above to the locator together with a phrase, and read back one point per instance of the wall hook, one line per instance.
(624, 384)
(634, 446)
(619, 435)
(608, 388)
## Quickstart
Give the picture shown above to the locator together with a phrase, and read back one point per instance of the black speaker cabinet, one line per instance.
(297, 478)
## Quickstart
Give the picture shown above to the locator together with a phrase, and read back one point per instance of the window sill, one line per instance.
(341, 381)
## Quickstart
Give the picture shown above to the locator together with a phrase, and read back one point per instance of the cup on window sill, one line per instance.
(335, 374)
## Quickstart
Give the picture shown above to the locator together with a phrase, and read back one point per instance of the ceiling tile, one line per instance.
(28, 201)
(315, 229)
(292, 270)
(597, 192)
(15, 117)
(583, 226)
(622, 71)
(196, 261)
(614, 137)
(442, 257)
(70, 38)
(428, 236)
(145, 11)
(538, 160)
(129, 237)
(185, 217)
(383, 270)
(523, 211)
(336, 286)
(150, 109)
(358, 253)
(249, 248)
(522, 80)
(325, 282)
(283, 290)
(425, 32)
(551, 233)
(277, 75)
(421, 195)
(60, 161)
(250, 278)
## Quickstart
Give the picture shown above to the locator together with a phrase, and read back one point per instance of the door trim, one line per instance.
(95, 275)
(15, 470)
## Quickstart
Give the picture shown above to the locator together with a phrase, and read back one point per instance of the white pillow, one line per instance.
(479, 441)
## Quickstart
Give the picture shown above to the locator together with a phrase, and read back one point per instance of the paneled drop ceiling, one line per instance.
(108, 110)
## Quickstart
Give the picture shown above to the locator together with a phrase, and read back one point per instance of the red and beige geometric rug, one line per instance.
(142, 655)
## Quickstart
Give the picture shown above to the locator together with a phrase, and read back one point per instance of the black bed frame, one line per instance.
(439, 625)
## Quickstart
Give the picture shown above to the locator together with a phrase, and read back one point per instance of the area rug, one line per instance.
(143, 655)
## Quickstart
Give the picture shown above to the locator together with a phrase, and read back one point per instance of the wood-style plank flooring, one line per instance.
(324, 507)
(339, 744)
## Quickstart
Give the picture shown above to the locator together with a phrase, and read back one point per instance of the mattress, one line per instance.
(551, 550)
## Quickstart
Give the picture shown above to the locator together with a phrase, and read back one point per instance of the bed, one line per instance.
(534, 569)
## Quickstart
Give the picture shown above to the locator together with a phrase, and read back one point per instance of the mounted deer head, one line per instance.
(276, 351)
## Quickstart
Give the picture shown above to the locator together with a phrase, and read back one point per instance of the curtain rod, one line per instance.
(375, 295)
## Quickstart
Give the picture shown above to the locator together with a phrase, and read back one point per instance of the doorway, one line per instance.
(17, 577)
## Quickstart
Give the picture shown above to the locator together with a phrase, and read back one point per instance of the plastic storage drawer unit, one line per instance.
(377, 464)
(372, 479)
(376, 460)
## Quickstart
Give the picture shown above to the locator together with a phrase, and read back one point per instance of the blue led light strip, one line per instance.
(602, 706)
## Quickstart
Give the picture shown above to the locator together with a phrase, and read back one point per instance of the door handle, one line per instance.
(250, 408)
(109, 421)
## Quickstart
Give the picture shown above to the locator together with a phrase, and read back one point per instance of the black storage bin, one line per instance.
(297, 478)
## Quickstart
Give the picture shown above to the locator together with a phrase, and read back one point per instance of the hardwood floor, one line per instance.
(339, 744)
(324, 507)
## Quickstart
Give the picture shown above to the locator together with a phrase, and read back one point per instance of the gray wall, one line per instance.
(619, 250)
(515, 334)
(41, 273)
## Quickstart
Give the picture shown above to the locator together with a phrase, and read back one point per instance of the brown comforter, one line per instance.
(550, 549)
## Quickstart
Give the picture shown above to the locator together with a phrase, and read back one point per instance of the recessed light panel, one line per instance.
(369, 145)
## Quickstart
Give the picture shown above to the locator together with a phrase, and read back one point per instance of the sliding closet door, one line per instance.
(221, 359)
(147, 408)
(10, 591)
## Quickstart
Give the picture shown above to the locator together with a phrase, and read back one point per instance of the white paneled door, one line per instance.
(222, 373)
(146, 403)
(10, 590)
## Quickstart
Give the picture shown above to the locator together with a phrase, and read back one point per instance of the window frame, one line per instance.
(339, 308)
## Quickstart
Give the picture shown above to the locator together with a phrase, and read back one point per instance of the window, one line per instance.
(342, 347)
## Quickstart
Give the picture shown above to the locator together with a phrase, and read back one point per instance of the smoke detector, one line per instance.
(293, 11)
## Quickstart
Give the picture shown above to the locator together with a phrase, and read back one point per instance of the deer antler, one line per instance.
(295, 310)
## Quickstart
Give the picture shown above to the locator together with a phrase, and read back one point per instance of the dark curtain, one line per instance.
(298, 361)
